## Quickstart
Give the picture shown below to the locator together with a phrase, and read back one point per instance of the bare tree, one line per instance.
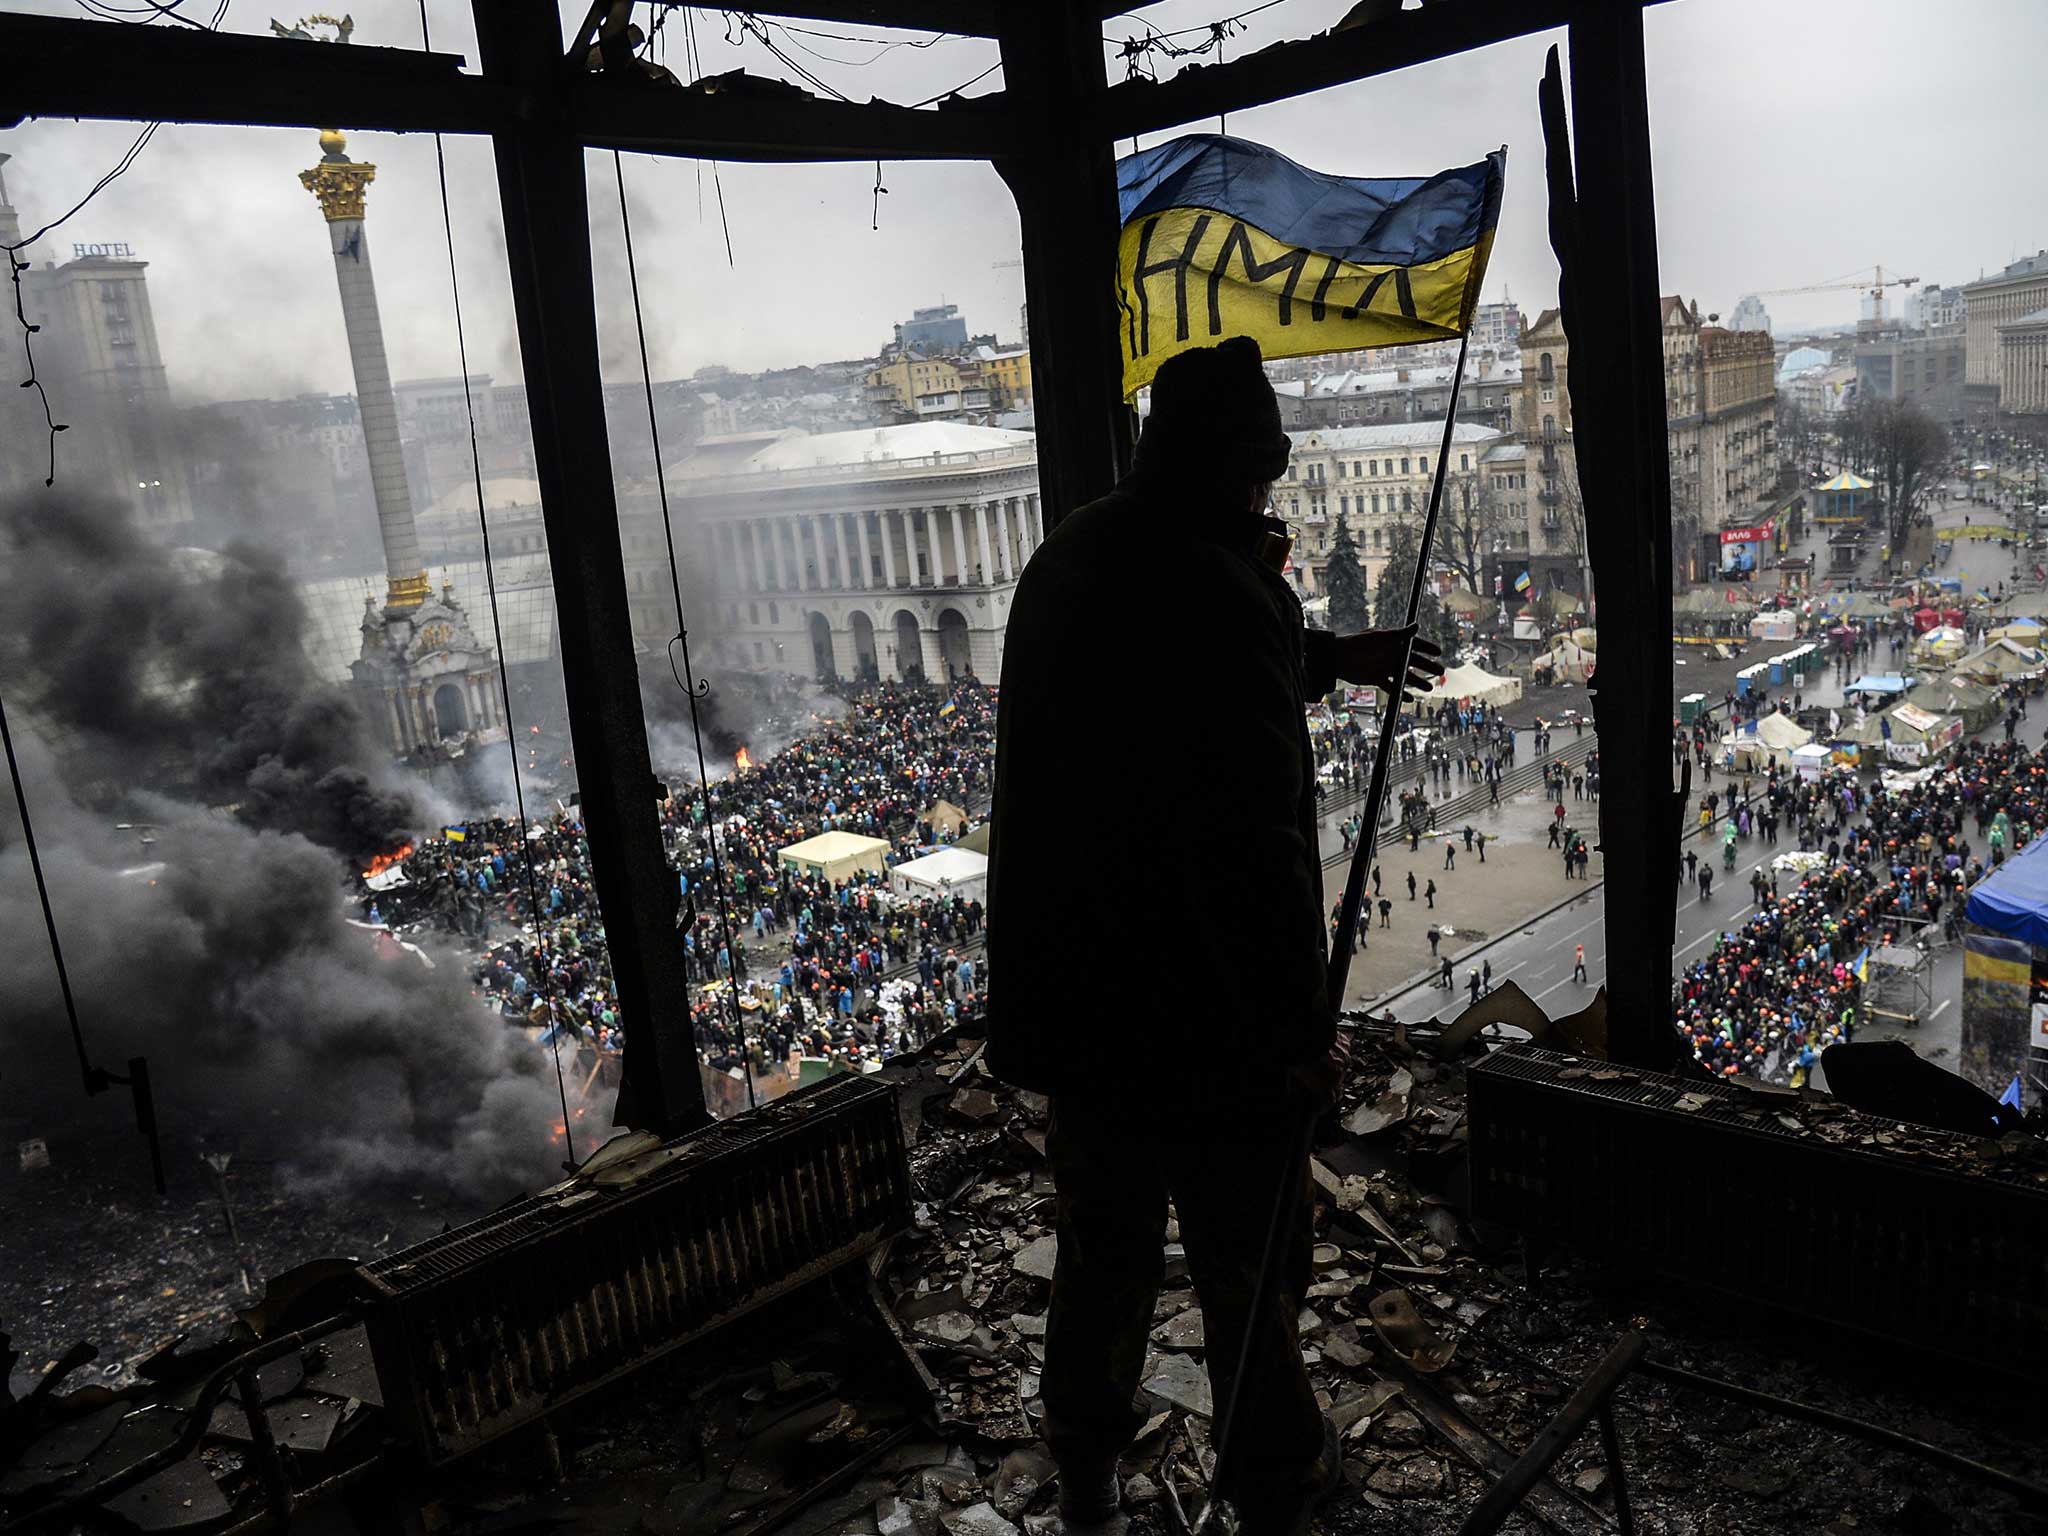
(1907, 449)
(1472, 519)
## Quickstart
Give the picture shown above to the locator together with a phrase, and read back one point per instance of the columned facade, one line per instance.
(922, 531)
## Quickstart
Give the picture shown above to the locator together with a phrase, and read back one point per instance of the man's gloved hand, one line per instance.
(1318, 1083)
(1373, 657)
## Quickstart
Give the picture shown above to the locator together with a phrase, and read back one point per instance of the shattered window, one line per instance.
(252, 666)
(831, 879)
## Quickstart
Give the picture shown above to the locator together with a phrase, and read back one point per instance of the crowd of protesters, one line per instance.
(1886, 864)
(809, 958)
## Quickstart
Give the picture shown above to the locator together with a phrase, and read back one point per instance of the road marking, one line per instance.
(1937, 1012)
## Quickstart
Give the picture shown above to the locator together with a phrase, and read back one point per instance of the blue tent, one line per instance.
(2014, 901)
(1881, 683)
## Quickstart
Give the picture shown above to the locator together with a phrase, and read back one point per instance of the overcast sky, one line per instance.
(1797, 141)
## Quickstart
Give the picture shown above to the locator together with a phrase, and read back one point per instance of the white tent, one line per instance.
(1777, 624)
(946, 872)
(1467, 681)
(836, 855)
(1781, 733)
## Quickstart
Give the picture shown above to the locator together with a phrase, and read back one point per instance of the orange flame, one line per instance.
(384, 861)
(741, 761)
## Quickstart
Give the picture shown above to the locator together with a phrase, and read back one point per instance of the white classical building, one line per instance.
(884, 552)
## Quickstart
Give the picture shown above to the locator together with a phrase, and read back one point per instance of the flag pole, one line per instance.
(1347, 926)
(1339, 972)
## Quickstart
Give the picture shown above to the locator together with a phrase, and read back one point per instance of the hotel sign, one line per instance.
(120, 250)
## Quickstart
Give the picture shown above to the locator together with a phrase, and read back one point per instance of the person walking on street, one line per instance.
(1486, 975)
(1579, 965)
(1468, 837)
(1375, 879)
(1430, 895)
(1387, 911)
(1450, 854)
(1411, 885)
(1481, 840)
(1473, 982)
(1443, 975)
(1435, 934)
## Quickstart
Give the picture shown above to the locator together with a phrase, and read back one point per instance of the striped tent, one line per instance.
(1844, 482)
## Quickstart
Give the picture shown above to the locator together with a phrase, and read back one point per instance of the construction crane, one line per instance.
(1874, 284)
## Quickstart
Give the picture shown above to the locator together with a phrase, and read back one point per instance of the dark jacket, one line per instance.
(1155, 886)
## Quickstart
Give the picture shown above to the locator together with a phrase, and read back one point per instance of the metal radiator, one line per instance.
(493, 1324)
(1947, 1259)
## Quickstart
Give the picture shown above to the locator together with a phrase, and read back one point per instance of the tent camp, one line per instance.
(1976, 705)
(2002, 661)
(1777, 624)
(836, 855)
(1466, 681)
(2002, 1030)
(1919, 737)
(2025, 632)
(1775, 739)
(945, 816)
(944, 872)
(1942, 643)
(1570, 658)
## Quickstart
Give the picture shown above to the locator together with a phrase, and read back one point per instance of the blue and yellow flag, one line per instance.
(455, 834)
(1222, 237)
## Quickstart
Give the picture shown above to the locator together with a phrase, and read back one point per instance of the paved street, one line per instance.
(1538, 955)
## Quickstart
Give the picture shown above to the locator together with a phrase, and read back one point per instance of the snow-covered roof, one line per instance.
(881, 445)
(1394, 434)
(1505, 453)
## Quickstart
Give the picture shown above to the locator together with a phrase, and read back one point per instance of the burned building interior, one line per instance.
(1563, 1284)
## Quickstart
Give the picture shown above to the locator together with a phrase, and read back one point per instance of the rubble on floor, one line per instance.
(906, 1400)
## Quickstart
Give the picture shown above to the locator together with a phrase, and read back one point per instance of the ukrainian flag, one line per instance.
(455, 834)
(948, 708)
(1222, 237)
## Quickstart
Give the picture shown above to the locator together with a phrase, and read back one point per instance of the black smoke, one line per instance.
(145, 687)
(185, 672)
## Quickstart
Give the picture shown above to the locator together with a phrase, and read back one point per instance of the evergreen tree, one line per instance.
(1390, 606)
(1344, 582)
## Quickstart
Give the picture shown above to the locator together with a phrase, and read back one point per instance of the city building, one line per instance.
(98, 357)
(1006, 374)
(438, 410)
(1547, 538)
(1923, 367)
(427, 681)
(1993, 301)
(938, 329)
(2023, 365)
(1497, 327)
(1738, 432)
(887, 552)
(1361, 396)
(1749, 314)
(1374, 477)
(1935, 308)
(912, 388)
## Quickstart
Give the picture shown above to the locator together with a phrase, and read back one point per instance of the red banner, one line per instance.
(1746, 535)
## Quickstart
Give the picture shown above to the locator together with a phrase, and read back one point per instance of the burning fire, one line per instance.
(741, 761)
(384, 861)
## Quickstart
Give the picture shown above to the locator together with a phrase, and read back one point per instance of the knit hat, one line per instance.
(1214, 417)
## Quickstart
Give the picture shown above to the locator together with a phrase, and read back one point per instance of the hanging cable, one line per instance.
(696, 62)
(498, 639)
(956, 90)
(687, 677)
(95, 1080)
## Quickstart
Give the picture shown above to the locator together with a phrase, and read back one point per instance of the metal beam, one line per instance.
(541, 186)
(1295, 68)
(53, 66)
(963, 18)
(726, 126)
(1065, 186)
(1609, 296)
(60, 67)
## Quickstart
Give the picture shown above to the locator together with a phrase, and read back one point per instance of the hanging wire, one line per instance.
(875, 218)
(95, 1080)
(498, 639)
(956, 90)
(686, 678)
(696, 62)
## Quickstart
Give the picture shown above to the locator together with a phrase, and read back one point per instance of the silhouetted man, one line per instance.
(1214, 1121)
